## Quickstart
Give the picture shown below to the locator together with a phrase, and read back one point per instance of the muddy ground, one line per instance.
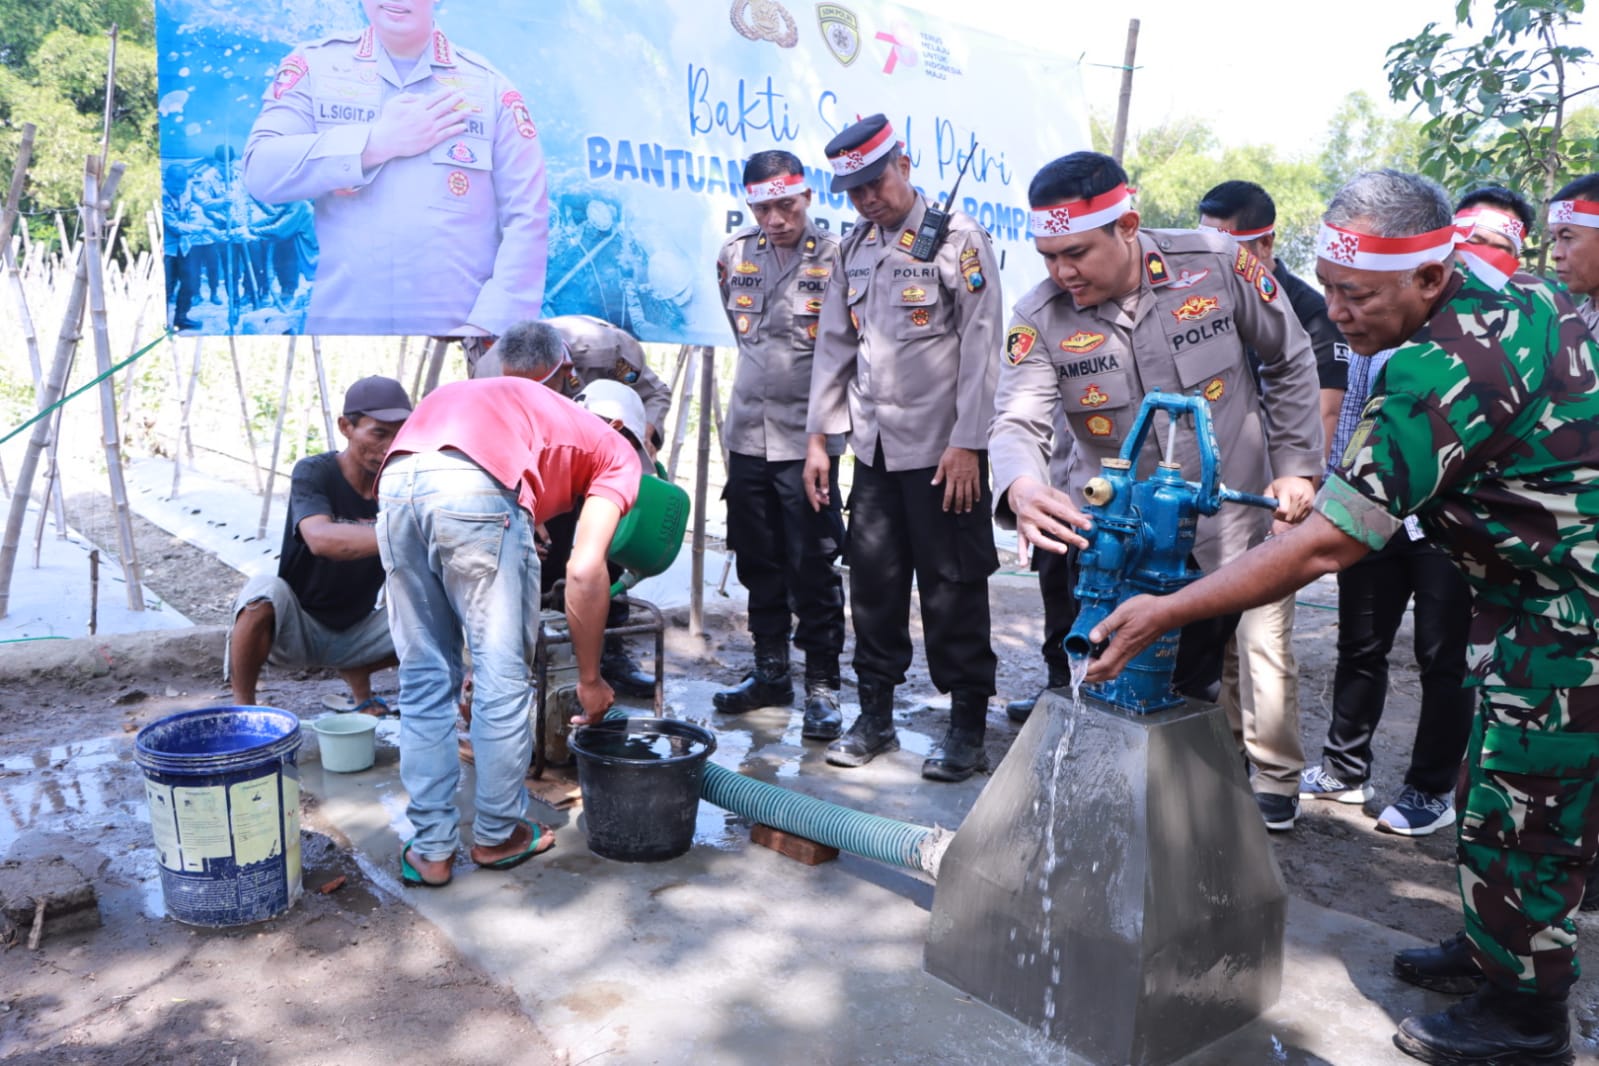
(352, 976)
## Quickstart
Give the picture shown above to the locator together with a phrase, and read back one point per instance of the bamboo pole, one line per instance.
(244, 411)
(184, 435)
(696, 595)
(681, 425)
(1124, 102)
(322, 392)
(435, 365)
(54, 386)
(93, 219)
(277, 441)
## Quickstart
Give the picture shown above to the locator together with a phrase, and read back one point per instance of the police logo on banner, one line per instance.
(840, 31)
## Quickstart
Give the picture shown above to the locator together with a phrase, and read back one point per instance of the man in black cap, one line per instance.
(906, 359)
(318, 609)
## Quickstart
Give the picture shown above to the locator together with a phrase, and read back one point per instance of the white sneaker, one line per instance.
(1417, 814)
(1317, 783)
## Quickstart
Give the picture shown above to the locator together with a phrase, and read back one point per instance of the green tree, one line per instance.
(1497, 103)
(53, 75)
(1360, 137)
(1173, 165)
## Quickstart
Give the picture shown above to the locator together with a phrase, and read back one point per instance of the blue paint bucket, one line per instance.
(224, 796)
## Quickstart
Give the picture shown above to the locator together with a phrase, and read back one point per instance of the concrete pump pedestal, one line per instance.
(1114, 885)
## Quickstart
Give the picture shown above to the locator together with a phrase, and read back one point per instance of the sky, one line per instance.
(1259, 73)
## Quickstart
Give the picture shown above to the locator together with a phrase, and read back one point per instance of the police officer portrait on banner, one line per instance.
(772, 277)
(906, 355)
(425, 172)
(1484, 425)
(1126, 311)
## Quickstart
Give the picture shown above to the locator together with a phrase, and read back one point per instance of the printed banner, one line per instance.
(397, 167)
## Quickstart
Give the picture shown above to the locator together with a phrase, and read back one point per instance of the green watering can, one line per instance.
(650, 535)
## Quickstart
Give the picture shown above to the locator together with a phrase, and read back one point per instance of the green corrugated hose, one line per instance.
(914, 847)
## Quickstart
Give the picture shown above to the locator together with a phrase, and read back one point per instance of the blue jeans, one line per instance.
(460, 560)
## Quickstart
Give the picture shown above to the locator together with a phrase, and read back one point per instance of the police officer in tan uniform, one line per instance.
(1127, 311)
(425, 171)
(772, 276)
(905, 364)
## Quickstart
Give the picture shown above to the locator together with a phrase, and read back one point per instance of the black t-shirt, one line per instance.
(337, 594)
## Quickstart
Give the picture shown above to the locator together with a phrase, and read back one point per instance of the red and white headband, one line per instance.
(1081, 216)
(775, 188)
(1241, 234)
(1494, 220)
(853, 160)
(1363, 251)
(1574, 212)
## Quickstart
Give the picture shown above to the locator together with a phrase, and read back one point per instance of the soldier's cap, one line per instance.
(615, 402)
(377, 397)
(860, 153)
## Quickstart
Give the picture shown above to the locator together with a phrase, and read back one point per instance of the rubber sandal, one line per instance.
(409, 875)
(342, 704)
(542, 840)
(375, 706)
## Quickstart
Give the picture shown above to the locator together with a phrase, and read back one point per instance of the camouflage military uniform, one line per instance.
(1485, 425)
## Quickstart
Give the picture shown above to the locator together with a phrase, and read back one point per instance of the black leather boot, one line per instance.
(1448, 968)
(1019, 710)
(622, 672)
(872, 733)
(960, 754)
(1492, 1027)
(768, 686)
(822, 718)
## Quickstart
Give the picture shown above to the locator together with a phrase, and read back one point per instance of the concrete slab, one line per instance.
(733, 954)
(52, 600)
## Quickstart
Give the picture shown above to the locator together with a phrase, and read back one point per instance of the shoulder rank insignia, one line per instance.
(760, 241)
(1155, 269)
(1246, 266)
(907, 239)
(810, 244)
(1019, 341)
(1082, 342)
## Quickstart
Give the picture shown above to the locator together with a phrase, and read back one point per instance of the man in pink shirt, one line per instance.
(476, 468)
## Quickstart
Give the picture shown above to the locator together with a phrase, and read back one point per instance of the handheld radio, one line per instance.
(930, 234)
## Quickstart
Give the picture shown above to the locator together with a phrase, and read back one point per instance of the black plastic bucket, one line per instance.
(640, 779)
(224, 795)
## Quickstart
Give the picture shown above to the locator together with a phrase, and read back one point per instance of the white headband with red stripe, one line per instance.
(1494, 220)
(1241, 234)
(1574, 212)
(775, 188)
(1081, 216)
(853, 160)
(1363, 251)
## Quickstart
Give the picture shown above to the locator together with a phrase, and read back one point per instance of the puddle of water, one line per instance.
(93, 792)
